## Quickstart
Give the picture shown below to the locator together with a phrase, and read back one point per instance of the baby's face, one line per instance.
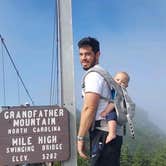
(121, 79)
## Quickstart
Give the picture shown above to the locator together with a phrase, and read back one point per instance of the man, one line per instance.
(94, 88)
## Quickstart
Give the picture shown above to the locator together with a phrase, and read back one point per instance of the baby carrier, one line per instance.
(124, 106)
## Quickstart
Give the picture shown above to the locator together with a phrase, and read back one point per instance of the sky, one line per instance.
(132, 36)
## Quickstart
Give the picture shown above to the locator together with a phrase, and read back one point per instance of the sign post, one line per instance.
(64, 8)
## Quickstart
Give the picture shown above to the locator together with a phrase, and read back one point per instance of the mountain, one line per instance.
(148, 135)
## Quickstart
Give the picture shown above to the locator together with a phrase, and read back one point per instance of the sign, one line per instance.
(33, 134)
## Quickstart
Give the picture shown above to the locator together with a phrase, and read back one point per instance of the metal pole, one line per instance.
(67, 73)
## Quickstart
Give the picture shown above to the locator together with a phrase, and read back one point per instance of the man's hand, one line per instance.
(81, 149)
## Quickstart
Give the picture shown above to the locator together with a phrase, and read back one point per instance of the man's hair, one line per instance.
(89, 41)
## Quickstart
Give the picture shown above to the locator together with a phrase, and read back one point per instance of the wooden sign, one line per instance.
(33, 134)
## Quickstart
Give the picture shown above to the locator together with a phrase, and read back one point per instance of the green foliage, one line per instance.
(159, 157)
(57, 163)
(82, 162)
(126, 157)
(143, 158)
(140, 158)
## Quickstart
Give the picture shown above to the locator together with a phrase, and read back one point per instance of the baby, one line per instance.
(121, 78)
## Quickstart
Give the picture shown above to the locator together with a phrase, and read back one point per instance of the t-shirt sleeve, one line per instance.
(94, 83)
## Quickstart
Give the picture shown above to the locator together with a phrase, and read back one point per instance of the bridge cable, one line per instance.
(3, 75)
(52, 65)
(54, 85)
(57, 53)
(59, 67)
(17, 72)
(18, 90)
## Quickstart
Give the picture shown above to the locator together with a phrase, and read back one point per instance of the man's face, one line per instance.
(87, 57)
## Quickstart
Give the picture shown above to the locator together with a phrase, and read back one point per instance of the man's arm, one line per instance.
(90, 105)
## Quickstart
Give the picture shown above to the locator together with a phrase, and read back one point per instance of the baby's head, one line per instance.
(122, 78)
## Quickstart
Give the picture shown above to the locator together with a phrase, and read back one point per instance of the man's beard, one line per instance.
(91, 65)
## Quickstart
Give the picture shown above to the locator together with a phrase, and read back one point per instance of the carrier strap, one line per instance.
(130, 122)
(101, 73)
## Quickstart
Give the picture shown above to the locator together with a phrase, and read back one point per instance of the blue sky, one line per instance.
(132, 36)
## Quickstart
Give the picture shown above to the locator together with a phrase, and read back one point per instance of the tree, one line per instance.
(159, 157)
(126, 158)
(140, 158)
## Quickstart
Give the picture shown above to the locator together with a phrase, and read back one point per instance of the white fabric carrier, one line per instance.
(124, 106)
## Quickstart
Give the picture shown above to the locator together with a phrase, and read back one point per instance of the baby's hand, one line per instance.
(103, 114)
